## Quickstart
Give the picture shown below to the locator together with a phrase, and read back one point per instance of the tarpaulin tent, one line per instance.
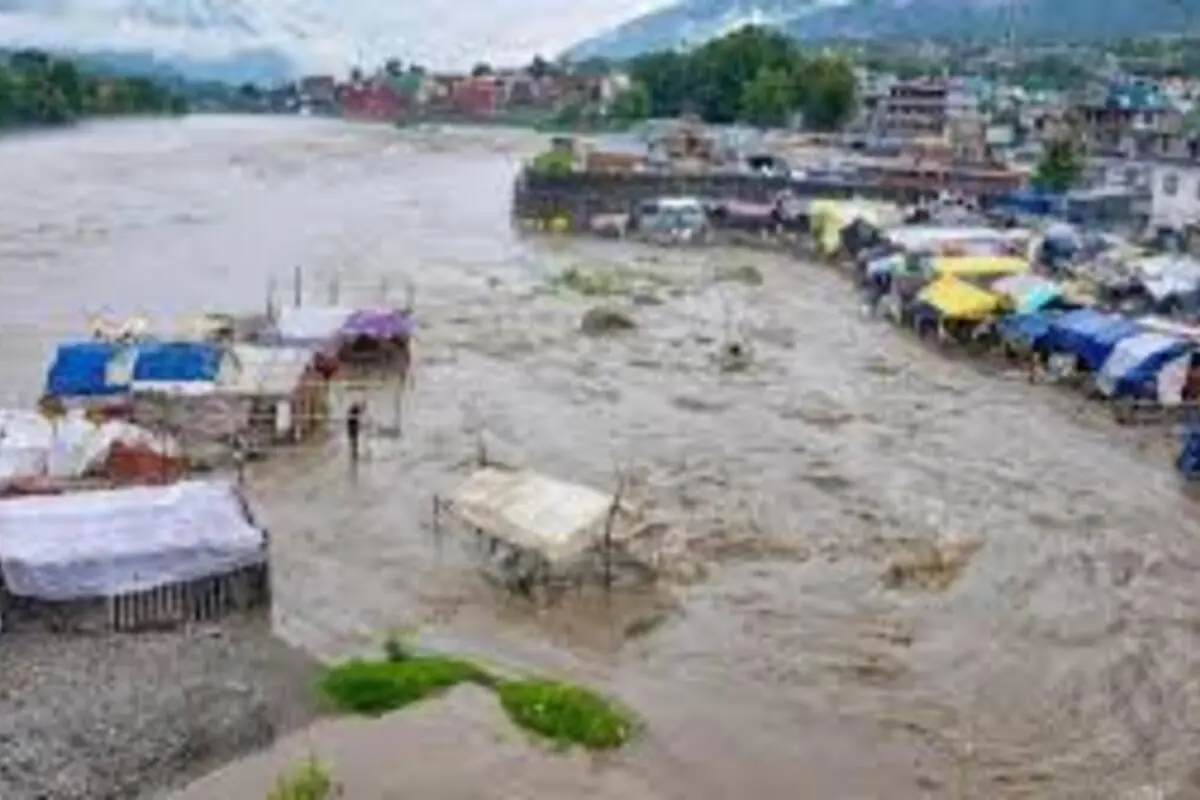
(84, 369)
(1147, 365)
(69, 446)
(107, 543)
(1025, 330)
(1089, 335)
(180, 366)
(979, 266)
(950, 298)
(1028, 292)
(1188, 462)
(1031, 202)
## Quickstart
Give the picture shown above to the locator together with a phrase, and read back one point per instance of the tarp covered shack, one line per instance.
(952, 299)
(87, 370)
(107, 543)
(1089, 335)
(1147, 365)
(534, 512)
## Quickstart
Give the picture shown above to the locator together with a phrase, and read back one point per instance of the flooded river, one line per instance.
(1059, 663)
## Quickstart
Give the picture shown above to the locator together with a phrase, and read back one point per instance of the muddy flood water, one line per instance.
(791, 654)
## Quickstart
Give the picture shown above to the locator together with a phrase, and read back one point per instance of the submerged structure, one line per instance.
(532, 532)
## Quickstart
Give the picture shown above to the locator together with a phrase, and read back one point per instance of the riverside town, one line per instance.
(767, 416)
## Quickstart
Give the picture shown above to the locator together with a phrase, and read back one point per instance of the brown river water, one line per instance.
(1060, 663)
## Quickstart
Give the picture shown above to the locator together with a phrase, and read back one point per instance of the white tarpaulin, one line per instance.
(533, 511)
(106, 543)
(311, 324)
(69, 447)
(1129, 354)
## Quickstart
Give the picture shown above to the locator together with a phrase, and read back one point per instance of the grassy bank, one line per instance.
(560, 713)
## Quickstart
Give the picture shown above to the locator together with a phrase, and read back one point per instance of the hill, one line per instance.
(693, 21)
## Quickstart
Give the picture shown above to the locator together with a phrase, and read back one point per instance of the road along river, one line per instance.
(797, 659)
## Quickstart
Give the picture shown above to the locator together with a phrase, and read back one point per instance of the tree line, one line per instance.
(40, 89)
(753, 75)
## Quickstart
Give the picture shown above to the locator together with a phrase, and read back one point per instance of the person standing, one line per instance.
(354, 429)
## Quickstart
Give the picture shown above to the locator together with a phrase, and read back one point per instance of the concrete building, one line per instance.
(924, 108)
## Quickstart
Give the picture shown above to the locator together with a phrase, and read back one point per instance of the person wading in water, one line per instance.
(354, 429)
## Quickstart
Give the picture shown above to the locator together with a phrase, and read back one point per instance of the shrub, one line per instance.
(309, 781)
(566, 714)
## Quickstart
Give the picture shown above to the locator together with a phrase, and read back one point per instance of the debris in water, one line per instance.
(735, 357)
(747, 274)
(931, 565)
(592, 282)
(606, 319)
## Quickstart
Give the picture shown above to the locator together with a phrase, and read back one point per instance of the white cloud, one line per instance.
(321, 34)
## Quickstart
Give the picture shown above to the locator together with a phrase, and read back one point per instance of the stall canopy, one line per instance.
(107, 543)
(84, 369)
(979, 266)
(1089, 335)
(1028, 292)
(181, 367)
(311, 325)
(378, 324)
(951, 298)
(1147, 365)
(1028, 330)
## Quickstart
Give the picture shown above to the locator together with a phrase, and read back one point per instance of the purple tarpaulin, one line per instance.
(379, 324)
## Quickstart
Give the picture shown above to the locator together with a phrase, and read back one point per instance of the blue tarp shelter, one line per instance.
(82, 369)
(1188, 462)
(1089, 335)
(1032, 202)
(1136, 364)
(1027, 330)
(177, 362)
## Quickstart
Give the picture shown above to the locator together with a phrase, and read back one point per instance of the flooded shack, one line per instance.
(350, 337)
(536, 533)
(129, 559)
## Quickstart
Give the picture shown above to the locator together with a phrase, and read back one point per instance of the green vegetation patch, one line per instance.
(566, 714)
(562, 713)
(373, 688)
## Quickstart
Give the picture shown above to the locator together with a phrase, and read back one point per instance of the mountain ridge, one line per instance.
(693, 21)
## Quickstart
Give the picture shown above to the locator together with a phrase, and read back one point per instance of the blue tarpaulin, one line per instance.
(1032, 202)
(1136, 364)
(1188, 462)
(177, 362)
(1024, 330)
(81, 369)
(1089, 335)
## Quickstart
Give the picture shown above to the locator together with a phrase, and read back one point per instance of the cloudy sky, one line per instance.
(321, 34)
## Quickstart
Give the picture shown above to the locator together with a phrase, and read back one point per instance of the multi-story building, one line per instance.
(1113, 121)
(1174, 183)
(924, 108)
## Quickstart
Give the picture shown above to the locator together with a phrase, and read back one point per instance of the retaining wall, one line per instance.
(580, 197)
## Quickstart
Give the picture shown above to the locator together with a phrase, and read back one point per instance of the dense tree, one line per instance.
(632, 104)
(481, 69)
(826, 94)
(753, 74)
(40, 89)
(770, 98)
(1061, 165)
